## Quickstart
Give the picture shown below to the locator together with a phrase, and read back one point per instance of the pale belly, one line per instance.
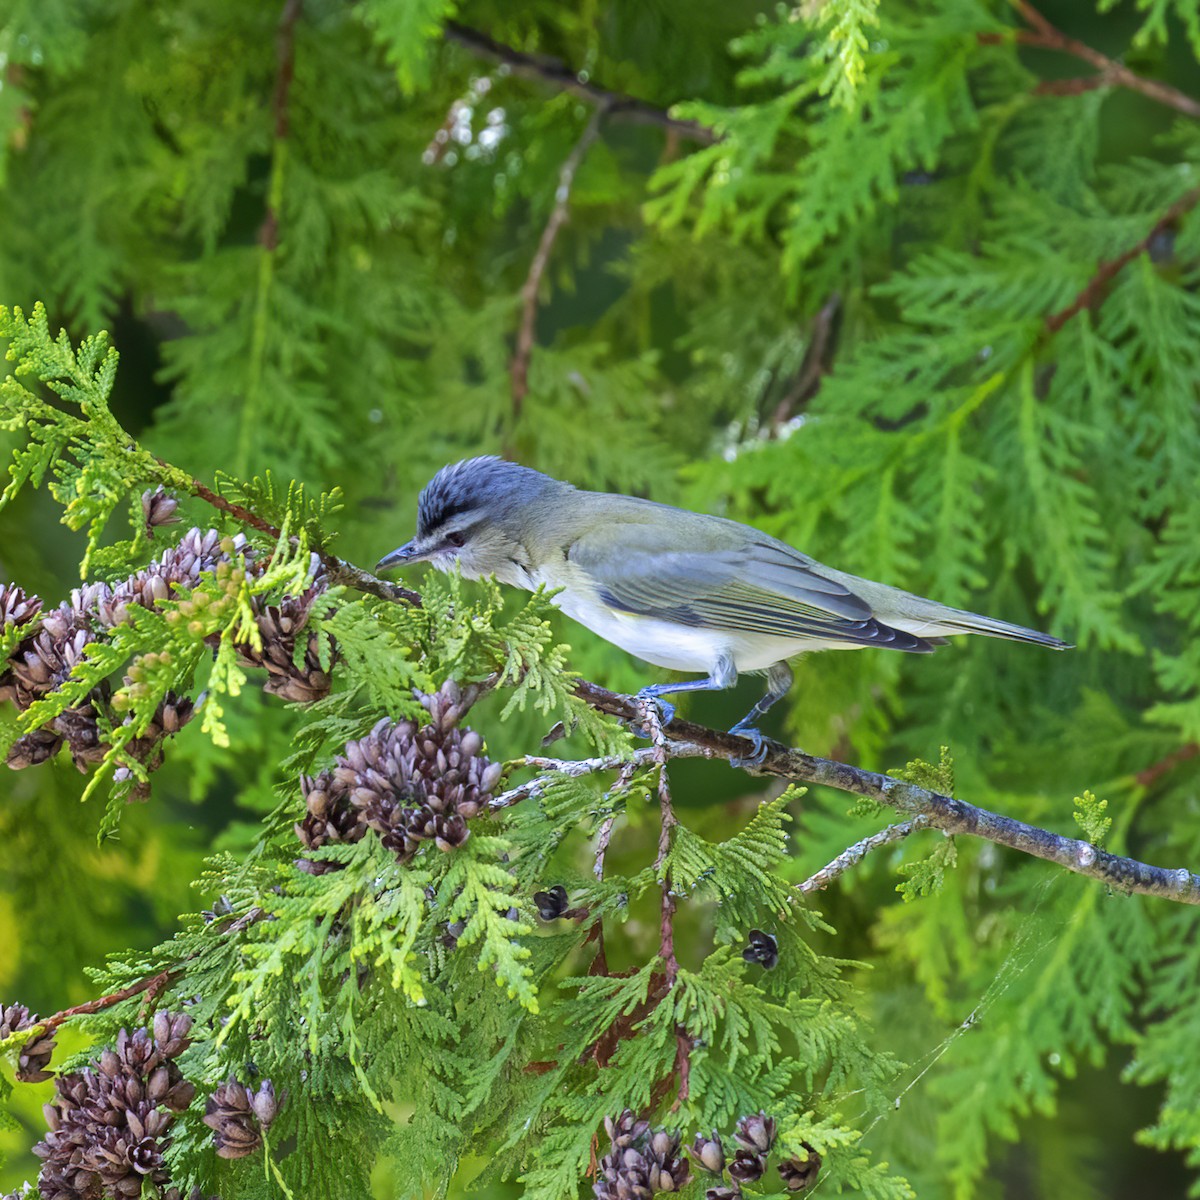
(680, 647)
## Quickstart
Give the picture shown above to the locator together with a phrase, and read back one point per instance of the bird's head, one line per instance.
(476, 513)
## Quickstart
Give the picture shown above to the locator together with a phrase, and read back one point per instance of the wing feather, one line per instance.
(763, 588)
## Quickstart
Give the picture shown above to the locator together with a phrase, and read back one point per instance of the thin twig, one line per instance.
(942, 812)
(1150, 775)
(340, 571)
(558, 75)
(851, 857)
(1092, 292)
(153, 984)
(285, 70)
(1045, 36)
(815, 366)
(268, 236)
(667, 913)
(527, 331)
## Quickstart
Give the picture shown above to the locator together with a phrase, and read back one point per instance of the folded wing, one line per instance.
(761, 588)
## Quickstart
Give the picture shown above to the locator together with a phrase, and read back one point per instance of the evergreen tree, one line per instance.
(912, 285)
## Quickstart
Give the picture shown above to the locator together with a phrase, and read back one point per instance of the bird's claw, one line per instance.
(664, 709)
(761, 744)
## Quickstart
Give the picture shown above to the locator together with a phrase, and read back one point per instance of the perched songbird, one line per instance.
(678, 589)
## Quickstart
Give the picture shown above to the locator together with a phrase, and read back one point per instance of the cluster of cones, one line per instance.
(51, 643)
(642, 1161)
(408, 784)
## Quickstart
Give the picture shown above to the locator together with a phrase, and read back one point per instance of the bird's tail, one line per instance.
(951, 621)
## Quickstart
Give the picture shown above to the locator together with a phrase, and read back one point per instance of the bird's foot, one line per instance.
(658, 712)
(760, 743)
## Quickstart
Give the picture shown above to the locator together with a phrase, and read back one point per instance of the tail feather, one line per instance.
(955, 622)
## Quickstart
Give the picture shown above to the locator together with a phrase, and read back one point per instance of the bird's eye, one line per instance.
(457, 538)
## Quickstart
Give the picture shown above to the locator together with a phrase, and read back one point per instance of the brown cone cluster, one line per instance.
(279, 626)
(409, 785)
(238, 1116)
(754, 1136)
(35, 1055)
(53, 642)
(110, 1123)
(640, 1162)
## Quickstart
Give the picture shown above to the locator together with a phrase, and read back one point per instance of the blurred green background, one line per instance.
(828, 315)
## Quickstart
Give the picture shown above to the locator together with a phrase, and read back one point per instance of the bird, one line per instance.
(681, 590)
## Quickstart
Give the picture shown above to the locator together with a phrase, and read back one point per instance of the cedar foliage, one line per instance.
(840, 320)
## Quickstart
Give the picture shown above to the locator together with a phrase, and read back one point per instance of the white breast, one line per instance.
(681, 647)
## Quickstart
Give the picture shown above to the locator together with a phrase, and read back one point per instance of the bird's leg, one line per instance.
(724, 676)
(779, 682)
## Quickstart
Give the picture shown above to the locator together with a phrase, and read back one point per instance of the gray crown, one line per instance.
(488, 482)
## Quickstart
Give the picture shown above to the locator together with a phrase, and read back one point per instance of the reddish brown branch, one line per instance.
(557, 74)
(527, 332)
(1152, 774)
(152, 984)
(667, 913)
(340, 571)
(1044, 36)
(815, 366)
(285, 69)
(1093, 291)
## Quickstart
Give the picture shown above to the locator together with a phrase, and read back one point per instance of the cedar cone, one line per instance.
(35, 1055)
(237, 1116)
(108, 1124)
(409, 785)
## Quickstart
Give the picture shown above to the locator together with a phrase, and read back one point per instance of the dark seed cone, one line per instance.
(109, 1124)
(408, 785)
(56, 641)
(43, 660)
(33, 749)
(799, 1174)
(747, 1167)
(722, 1193)
(16, 607)
(762, 948)
(237, 1116)
(755, 1133)
(279, 625)
(551, 904)
(708, 1153)
(640, 1161)
(35, 1055)
(158, 508)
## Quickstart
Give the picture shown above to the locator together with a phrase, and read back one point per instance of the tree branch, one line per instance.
(527, 332)
(816, 365)
(1045, 36)
(558, 75)
(1150, 775)
(151, 984)
(941, 812)
(856, 853)
(340, 571)
(1092, 294)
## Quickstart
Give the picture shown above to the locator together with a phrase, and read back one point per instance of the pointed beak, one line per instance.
(405, 554)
